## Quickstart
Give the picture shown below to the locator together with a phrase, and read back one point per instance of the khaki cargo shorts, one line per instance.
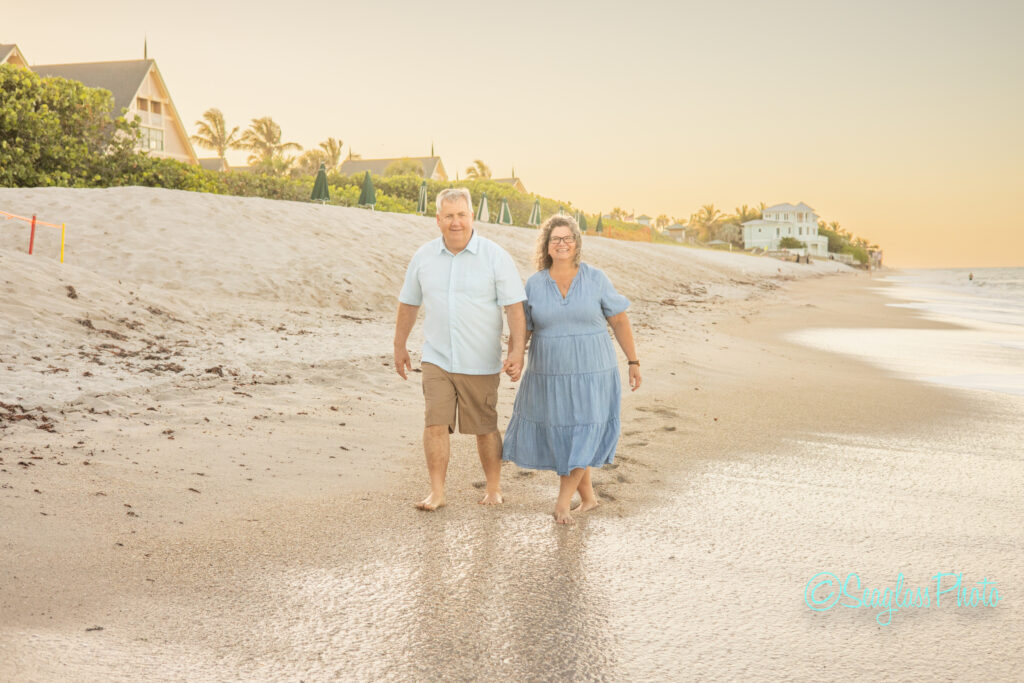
(473, 397)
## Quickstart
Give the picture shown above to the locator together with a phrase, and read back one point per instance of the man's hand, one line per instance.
(403, 363)
(513, 366)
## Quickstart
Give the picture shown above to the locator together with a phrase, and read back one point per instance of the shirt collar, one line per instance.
(471, 247)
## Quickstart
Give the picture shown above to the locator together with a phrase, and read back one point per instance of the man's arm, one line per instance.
(403, 326)
(516, 340)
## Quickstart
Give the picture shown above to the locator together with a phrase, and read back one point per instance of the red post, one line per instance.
(32, 237)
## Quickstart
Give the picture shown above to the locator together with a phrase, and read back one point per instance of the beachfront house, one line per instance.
(644, 219)
(676, 231)
(786, 220)
(10, 54)
(139, 91)
(433, 169)
(514, 182)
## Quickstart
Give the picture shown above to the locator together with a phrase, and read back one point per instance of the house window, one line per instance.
(142, 104)
(151, 139)
(155, 108)
(777, 233)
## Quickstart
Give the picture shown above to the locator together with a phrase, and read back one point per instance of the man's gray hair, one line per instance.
(452, 194)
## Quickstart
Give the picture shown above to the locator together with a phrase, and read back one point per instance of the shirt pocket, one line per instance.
(476, 281)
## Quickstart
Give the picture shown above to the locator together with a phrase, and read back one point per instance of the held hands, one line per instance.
(403, 363)
(513, 366)
(634, 377)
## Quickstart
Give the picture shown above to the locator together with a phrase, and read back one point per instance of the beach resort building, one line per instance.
(433, 169)
(514, 182)
(10, 54)
(785, 220)
(138, 90)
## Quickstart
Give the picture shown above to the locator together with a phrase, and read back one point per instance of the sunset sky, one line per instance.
(901, 120)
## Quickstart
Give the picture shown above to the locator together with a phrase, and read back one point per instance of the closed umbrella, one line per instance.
(600, 226)
(320, 192)
(482, 213)
(421, 203)
(583, 222)
(534, 215)
(368, 195)
(504, 215)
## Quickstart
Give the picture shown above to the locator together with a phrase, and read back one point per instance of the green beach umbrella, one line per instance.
(577, 215)
(583, 222)
(560, 209)
(504, 215)
(534, 215)
(421, 203)
(482, 213)
(368, 195)
(320, 192)
(600, 226)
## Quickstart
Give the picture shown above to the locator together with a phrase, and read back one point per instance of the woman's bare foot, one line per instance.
(431, 503)
(563, 517)
(491, 498)
(586, 505)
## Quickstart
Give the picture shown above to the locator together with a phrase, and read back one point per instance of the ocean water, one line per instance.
(980, 348)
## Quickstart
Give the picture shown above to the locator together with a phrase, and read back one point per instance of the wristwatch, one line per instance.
(634, 362)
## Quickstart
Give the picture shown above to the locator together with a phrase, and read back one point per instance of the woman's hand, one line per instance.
(634, 377)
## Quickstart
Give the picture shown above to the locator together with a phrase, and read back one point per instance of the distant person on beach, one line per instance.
(566, 414)
(462, 280)
(970, 276)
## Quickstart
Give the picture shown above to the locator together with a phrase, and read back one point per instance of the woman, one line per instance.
(566, 414)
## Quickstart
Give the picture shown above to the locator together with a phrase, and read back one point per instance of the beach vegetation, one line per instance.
(404, 167)
(59, 132)
(791, 243)
(478, 171)
(212, 133)
(331, 148)
(263, 139)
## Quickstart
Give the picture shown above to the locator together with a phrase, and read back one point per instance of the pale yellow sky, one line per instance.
(898, 119)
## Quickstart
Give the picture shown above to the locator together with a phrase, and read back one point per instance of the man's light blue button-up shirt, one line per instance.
(462, 295)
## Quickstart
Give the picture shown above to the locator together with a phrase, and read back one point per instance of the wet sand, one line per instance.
(260, 527)
(693, 567)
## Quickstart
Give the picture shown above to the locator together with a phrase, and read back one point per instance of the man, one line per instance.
(462, 280)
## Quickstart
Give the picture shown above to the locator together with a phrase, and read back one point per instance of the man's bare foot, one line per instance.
(563, 517)
(431, 503)
(586, 505)
(491, 498)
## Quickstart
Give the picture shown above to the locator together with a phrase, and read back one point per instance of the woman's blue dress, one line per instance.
(566, 414)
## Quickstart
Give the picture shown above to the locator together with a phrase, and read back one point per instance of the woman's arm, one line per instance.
(624, 335)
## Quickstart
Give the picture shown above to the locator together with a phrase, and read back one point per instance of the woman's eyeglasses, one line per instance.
(563, 240)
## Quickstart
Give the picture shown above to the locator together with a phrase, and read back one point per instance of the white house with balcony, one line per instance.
(785, 220)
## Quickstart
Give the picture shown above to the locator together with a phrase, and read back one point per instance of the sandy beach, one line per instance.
(207, 464)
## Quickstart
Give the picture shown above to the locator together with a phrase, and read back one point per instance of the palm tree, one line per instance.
(478, 171)
(332, 152)
(745, 213)
(706, 221)
(309, 162)
(212, 133)
(263, 139)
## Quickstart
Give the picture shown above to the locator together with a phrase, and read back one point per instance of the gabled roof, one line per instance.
(12, 53)
(122, 79)
(514, 182)
(378, 166)
(790, 207)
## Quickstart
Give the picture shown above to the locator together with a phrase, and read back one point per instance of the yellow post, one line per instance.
(62, 227)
